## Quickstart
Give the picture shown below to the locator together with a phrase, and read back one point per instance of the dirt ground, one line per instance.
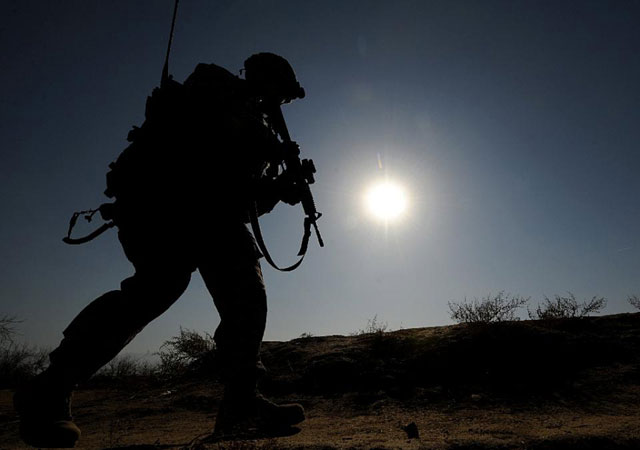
(569, 385)
(178, 419)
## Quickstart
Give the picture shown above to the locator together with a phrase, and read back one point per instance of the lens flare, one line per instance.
(386, 201)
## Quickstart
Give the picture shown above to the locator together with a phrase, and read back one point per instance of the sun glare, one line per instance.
(386, 201)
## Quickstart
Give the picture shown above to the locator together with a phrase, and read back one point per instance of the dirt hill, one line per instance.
(541, 385)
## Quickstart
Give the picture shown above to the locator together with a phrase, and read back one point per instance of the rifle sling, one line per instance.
(255, 227)
(88, 237)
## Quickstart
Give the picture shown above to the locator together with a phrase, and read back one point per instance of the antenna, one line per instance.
(165, 69)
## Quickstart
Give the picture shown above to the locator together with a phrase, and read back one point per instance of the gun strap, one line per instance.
(88, 215)
(255, 227)
(88, 237)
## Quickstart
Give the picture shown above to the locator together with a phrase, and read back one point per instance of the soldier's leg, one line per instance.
(110, 322)
(92, 339)
(234, 279)
(106, 325)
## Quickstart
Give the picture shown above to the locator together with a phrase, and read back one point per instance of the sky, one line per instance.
(511, 125)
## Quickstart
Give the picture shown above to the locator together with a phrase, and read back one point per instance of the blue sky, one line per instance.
(512, 125)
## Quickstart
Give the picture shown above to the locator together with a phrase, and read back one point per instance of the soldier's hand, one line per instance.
(288, 191)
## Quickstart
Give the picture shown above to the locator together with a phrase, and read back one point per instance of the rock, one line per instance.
(411, 430)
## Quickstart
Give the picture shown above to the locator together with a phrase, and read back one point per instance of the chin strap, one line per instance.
(255, 227)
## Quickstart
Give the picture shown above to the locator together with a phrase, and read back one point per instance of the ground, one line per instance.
(564, 384)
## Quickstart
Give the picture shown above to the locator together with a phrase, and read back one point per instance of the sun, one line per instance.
(386, 201)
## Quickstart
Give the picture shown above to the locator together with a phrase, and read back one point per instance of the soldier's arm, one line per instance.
(270, 191)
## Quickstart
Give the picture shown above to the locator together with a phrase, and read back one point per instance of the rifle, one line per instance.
(299, 173)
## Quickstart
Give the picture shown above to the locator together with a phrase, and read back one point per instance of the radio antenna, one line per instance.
(165, 69)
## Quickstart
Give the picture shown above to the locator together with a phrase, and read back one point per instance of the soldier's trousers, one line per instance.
(228, 262)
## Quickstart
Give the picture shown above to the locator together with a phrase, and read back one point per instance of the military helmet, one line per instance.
(272, 77)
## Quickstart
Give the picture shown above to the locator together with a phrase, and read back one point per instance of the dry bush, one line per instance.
(189, 350)
(567, 307)
(374, 326)
(20, 362)
(126, 366)
(7, 328)
(499, 308)
(635, 301)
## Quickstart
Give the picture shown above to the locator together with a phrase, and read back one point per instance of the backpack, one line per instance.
(124, 175)
(210, 98)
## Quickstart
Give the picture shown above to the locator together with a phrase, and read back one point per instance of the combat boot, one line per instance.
(249, 414)
(45, 414)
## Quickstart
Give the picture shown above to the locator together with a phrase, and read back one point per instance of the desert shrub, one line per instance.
(374, 326)
(126, 366)
(635, 301)
(189, 350)
(497, 308)
(567, 307)
(7, 329)
(20, 362)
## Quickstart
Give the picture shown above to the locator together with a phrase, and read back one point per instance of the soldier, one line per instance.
(183, 189)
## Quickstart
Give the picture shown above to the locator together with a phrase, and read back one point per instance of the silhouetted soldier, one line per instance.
(183, 189)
